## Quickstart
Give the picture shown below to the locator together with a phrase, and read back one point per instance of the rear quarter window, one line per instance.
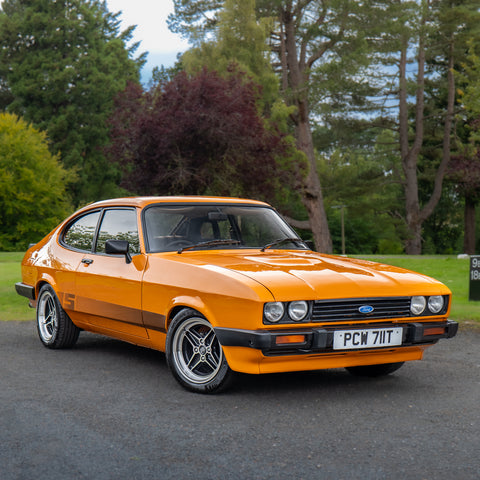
(81, 233)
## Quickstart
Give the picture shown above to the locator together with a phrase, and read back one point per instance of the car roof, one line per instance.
(144, 201)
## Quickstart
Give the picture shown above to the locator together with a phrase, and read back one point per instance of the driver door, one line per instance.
(109, 290)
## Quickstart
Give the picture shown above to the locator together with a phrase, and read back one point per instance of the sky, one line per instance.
(152, 31)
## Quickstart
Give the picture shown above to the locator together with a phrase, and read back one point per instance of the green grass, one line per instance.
(450, 270)
(12, 305)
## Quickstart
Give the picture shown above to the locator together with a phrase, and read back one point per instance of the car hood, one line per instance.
(291, 275)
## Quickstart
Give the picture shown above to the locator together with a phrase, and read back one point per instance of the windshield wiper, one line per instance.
(283, 240)
(210, 243)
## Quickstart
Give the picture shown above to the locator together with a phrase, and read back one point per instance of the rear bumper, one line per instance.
(25, 290)
(320, 340)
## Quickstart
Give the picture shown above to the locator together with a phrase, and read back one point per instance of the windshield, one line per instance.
(177, 227)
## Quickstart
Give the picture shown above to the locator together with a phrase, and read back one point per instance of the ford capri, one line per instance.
(224, 285)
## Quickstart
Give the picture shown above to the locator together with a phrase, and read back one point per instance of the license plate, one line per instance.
(367, 338)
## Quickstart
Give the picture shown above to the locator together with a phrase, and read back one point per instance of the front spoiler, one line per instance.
(320, 340)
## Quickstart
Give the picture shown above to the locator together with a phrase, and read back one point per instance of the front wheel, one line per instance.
(194, 354)
(374, 370)
(54, 326)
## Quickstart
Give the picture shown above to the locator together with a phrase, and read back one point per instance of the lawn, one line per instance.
(450, 270)
(12, 306)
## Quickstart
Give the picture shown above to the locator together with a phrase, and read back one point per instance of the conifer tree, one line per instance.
(61, 64)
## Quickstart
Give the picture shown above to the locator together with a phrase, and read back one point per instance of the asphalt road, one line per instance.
(109, 410)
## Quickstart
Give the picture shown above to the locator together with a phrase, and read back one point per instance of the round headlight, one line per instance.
(273, 311)
(297, 310)
(435, 303)
(417, 305)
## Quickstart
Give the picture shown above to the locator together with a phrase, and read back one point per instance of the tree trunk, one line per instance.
(428, 209)
(409, 154)
(415, 215)
(311, 190)
(312, 196)
(469, 215)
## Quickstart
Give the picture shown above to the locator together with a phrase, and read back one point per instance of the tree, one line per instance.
(63, 63)
(32, 184)
(435, 34)
(464, 171)
(241, 40)
(196, 135)
(358, 189)
(307, 35)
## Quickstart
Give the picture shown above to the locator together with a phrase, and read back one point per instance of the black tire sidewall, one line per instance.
(66, 333)
(223, 376)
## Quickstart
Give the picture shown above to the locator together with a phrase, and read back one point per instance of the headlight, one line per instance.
(273, 311)
(297, 310)
(417, 305)
(435, 303)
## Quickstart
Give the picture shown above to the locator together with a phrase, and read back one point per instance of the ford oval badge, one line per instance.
(366, 309)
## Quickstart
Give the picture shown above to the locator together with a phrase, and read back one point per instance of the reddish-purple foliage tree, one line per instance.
(196, 135)
(464, 172)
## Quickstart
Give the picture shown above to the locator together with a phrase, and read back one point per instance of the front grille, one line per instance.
(345, 310)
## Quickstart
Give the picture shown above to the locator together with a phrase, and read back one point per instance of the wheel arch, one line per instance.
(188, 303)
(45, 280)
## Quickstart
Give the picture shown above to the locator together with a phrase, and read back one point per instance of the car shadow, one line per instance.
(115, 351)
(99, 344)
(308, 381)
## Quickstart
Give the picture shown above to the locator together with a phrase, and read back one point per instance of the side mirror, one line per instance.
(118, 247)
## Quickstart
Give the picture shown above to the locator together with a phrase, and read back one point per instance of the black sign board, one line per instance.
(474, 278)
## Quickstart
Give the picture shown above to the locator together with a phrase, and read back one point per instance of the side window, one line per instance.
(119, 224)
(80, 233)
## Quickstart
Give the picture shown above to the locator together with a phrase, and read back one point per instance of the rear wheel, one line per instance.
(194, 354)
(54, 326)
(374, 370)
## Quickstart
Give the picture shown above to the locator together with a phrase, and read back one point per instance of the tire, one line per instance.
(54, 326)
(194, 354)
(374, 370)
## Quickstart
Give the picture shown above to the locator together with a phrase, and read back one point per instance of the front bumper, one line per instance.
(320, 340)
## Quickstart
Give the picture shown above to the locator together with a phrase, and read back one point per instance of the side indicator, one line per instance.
(287, 339)
(434, 331)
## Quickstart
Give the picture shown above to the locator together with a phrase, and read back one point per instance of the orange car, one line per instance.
(224, 285)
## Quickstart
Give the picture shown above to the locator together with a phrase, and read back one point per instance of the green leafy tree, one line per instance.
(239, 39)
(62, 63)
(307, 38)
(32, 184)
(420, 46)
(367, 196)
(464, 168)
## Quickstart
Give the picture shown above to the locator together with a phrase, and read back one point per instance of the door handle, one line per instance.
(87, 261)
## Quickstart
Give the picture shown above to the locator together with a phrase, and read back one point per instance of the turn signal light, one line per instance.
(287, 339)
(433, 331)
